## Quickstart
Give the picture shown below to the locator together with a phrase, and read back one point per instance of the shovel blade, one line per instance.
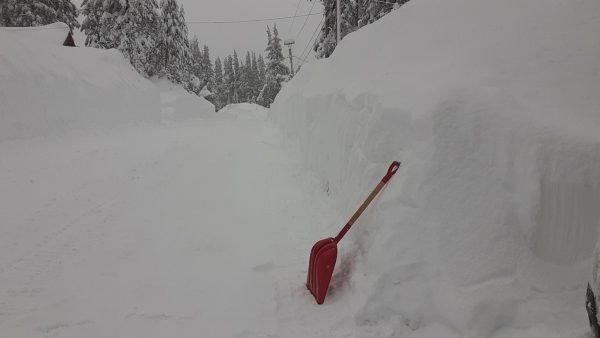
(323, 256)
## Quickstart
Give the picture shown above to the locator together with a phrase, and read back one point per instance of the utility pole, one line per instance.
(338, 22)
(289, 43)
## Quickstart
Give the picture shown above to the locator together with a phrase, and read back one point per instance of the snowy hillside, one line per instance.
(492, 106)
(46, 88)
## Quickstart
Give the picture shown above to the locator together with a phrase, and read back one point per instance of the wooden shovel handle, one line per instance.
(391, 171)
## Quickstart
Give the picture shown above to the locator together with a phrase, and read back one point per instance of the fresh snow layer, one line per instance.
(192, 228)
(488, 228)
(244, 110)
(54, 34)
(46, 88)
(177, 103)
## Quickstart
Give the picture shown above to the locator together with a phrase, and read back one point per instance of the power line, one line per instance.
(313, 38)
(311, 41)
(306, 20)
(41, 28)
(187, 22)
(251, 20)
(293, 21)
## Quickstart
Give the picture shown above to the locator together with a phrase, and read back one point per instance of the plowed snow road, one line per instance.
(195, 229)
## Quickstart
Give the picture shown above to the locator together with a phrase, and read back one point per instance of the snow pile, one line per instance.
(177, 103)
(54, 34)
(46, 88)
(493, 108)
(244, 110)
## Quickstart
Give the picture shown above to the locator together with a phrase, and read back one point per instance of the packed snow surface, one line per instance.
(493, 108)
(192, 229)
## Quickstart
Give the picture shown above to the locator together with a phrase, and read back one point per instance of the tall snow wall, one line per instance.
(46, 88)
(493, 109)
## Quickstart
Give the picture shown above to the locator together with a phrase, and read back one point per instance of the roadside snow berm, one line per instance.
(324, 253)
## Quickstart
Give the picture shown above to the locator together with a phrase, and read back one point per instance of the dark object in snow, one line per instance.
(69, 42)
(590, 306)
(324, 253)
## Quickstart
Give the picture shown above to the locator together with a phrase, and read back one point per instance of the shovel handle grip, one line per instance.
(391, 171)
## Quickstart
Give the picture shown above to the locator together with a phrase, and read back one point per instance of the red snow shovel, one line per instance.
(324, 253)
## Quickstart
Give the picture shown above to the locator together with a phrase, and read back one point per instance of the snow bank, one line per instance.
(492, 106)
(47, 88)
(53, 34)
(177, 103)
(244, 110)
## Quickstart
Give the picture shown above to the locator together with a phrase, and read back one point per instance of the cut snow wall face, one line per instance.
(568, 218)
(496, 126)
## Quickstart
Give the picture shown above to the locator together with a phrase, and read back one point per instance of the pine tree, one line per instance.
(254, 79)
(276, 72)
(207, 68)
(254, 64)
(139, 28)
(26, 13)
(372, 11)
(230, 92)
(355, 14)
(196, 61)
(246, 79)
(218, 78)
(244, 88)
(328, 38)
(262, 79)
(219, 87)
(132, 27)
(100, 22)
(237, 77)
(175, 51)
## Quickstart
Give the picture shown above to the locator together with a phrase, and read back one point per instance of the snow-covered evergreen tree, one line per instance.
(355, 14)
(26, 13)
(236, 81)
(131, 26)
(372, 11)
(100, 23)
(175, 47)
(196, 61)
(237, 76)
(254, 79)
(207, 68)
(328, 38)
(276, 72)
(219, 87)
(230, 91)
(218, 77)
(139, 29)
(262, 72)
(246, 79)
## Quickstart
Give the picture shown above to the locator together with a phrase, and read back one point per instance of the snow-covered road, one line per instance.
(194, 229)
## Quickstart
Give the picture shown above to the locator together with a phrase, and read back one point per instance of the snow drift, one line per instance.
(244, 110)
(177, 103)
(47, 88)
(492, 107)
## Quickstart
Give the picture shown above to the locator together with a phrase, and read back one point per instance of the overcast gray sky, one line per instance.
(222, 39)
